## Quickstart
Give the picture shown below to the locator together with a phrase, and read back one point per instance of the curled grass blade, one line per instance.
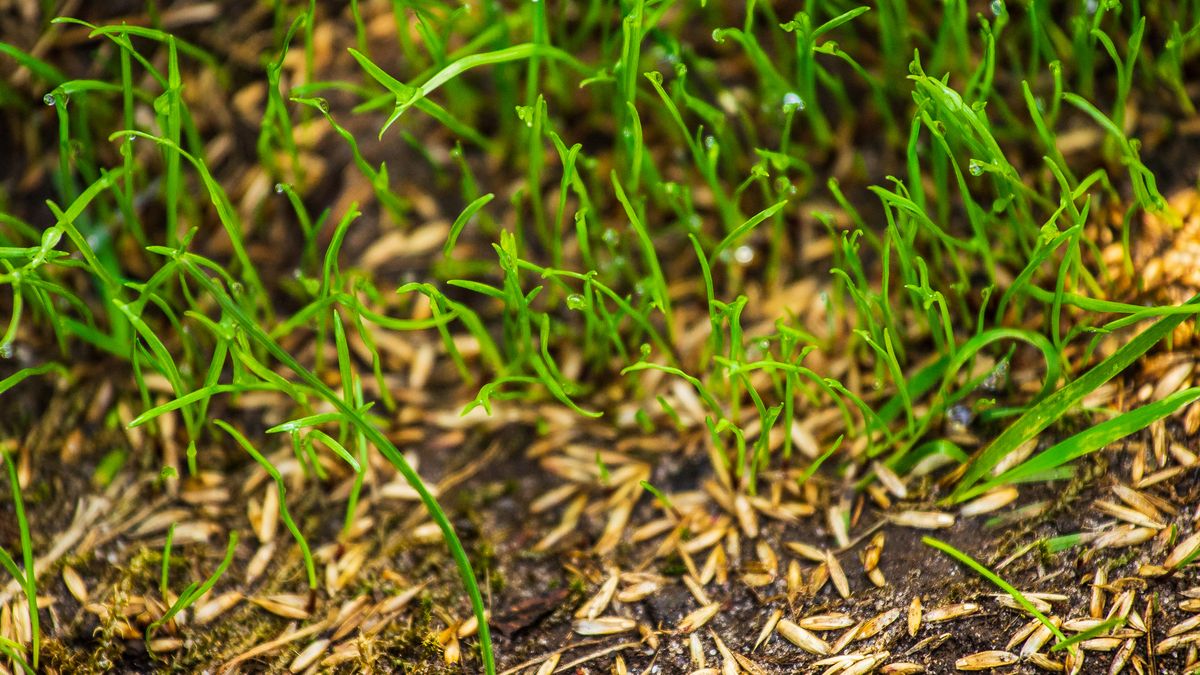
(257, 335)
(1054, 406)
(281, 485)
(1091, 439)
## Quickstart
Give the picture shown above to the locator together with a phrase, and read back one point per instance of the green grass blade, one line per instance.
(995, 579)
(1053, 407)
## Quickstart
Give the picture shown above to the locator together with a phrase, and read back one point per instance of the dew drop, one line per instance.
(1091, 6)
(960, 416)
(709, 142)
(610, 236)
(997, 7)
(49, 99)
(792, 102)
(6, 350)
(694, 222)
(236, 288)
(743, 255)
(576, 301)
(279, 188)
(975, 167)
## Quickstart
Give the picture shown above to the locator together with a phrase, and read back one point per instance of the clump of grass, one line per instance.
(982, 249)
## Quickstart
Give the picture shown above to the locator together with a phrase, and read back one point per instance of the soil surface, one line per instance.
(550, 507)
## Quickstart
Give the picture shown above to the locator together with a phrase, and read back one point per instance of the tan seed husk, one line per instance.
(698, 618)
(767, 629)
(802, 638)
(696, 590)
(876, 577)
(878, 623)
(287, 605)
(914, 616)
(836, 517)
(873, 551)
(259, 561)
(1185, 626)
(924, 520)
(1132, 516)
(1038, 639)
(1121, 658)
(553, 498)
(950, 612)
(1080, 625)
(1096, 603)
(795, 581)
(1044, 662)
(824, 622)
(604, 625)
(1124, 535)
(990, 501)
(618, 518)
(1190, 605)
(1159, 476)
(165, 644)
(1174, 642)
(549, 665)
(806, 551)
(696, 652)
(749, 666)
(75, 584)
(216, 607)
(1011, 603)
(837, 574)
(1137, 500)
(1022, 634)
(818, 578)
(309, 655)
(930, 643)
(1074, 661)
(746, 516)
(849, 635)
(866, 665)
(987, 660)
(890, 480)
(1101, 644)
(596, 604)
(639, 591)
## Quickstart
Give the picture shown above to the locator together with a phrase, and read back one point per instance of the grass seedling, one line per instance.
(1053, 407)
(195, 591)
(991, 576)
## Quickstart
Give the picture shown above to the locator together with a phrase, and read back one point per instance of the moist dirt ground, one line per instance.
(549, 506)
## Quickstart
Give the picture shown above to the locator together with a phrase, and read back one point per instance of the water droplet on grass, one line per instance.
(49, 99)
(610, 236)
(997, 7)
(975, 167)
(6, 350)
(743, 255)
(576, 301)
(279, 188)
(792, 102)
